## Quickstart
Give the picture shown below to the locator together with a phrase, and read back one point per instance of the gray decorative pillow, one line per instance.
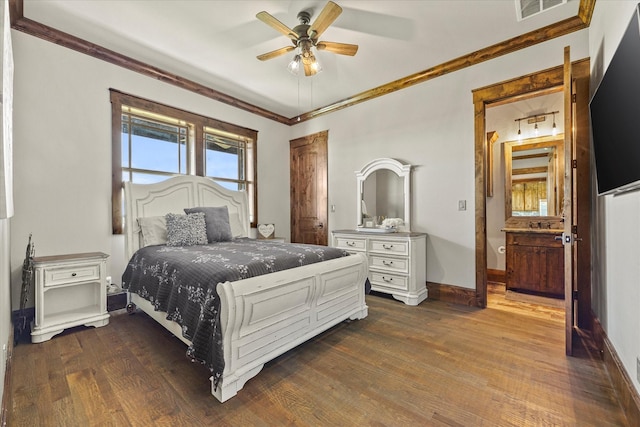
(186, 230)
(217, 222)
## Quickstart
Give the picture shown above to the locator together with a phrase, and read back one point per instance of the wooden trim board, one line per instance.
(496, 276)
(627, 394)
(451, 294)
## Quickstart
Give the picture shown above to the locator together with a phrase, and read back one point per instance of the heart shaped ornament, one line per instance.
(266, 231)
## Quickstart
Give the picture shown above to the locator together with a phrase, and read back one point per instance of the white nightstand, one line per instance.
(70, 290)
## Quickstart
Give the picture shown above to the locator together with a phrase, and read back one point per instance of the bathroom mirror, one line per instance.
(534, 177)
(384, 193)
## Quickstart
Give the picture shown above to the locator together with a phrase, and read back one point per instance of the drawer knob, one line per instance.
(387, 279)
(73, 274)
(387, 246)
(351, 243)
(385, 262)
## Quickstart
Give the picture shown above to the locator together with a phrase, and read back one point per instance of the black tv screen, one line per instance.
(615, 116)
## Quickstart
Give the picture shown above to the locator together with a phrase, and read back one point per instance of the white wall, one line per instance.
(430, 125)
(62, 151)
(6, 191)
(616, 228)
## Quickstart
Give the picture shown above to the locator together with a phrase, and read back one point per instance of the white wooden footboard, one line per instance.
(263, 318)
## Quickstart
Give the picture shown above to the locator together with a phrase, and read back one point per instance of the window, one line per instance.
(230, 161)
(151, 142)
(527, 8)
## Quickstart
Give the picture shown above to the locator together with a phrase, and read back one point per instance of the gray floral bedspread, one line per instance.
(181, 281)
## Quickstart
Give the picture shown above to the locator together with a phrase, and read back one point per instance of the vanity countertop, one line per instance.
(533, 230)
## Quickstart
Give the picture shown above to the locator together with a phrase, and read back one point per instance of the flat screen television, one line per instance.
(615, 116)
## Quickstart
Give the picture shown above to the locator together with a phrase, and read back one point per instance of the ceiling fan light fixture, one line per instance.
(311, 64)
(305, 37)
(295, 64)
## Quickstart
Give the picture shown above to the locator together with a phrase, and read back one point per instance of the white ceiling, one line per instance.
(215, 43)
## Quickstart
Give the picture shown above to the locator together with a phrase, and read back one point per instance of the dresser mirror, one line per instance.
(384, 196)
(534, 179)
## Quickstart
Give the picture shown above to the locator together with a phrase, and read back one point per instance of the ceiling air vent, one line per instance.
(528, 8)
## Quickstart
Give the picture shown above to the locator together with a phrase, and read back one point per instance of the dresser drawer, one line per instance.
(388, 280)
(71, 274)
(396, 247)
(381, 262)
(351, 244)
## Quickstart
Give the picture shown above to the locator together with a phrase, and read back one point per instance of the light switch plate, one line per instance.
(462, 205)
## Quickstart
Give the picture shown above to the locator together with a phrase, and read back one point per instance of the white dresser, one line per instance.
(70, 290)
(397, 261)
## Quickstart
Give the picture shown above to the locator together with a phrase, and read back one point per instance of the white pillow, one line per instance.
(237, 230)
(154, 230)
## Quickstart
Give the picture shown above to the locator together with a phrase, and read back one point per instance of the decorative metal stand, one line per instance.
(22, 322)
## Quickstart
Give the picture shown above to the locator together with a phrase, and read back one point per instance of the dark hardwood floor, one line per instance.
(434, 364)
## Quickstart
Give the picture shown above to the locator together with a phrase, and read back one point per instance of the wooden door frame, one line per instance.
(520, 88)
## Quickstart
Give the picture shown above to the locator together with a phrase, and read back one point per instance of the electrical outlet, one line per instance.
(462, 205)
(108, 281)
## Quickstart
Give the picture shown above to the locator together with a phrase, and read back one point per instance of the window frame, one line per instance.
(195, 150)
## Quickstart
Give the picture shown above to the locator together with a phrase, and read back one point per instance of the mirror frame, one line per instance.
(551, 221)
(400, 169)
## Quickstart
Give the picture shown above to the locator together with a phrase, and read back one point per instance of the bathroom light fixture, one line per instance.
(534, 119)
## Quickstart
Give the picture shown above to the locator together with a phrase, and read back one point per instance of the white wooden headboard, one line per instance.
(172, 196)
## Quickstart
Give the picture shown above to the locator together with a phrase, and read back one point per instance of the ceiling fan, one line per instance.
(305, 36)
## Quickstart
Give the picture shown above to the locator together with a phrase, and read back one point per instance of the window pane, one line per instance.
(155, 146)
(147, 178)
(224, 158)
(230, 185)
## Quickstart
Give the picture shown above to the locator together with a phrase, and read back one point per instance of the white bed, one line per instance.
(260, 317)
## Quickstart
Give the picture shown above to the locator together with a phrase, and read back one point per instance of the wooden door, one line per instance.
(567, 235)
(308, 165)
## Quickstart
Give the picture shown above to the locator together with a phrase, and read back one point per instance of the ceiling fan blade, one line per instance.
(339, 48)
(277, 25)
(329, 14)
(275, 53)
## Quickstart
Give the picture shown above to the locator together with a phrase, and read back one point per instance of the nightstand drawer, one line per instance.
(381, 262)
(70, 274)
(351, 244)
